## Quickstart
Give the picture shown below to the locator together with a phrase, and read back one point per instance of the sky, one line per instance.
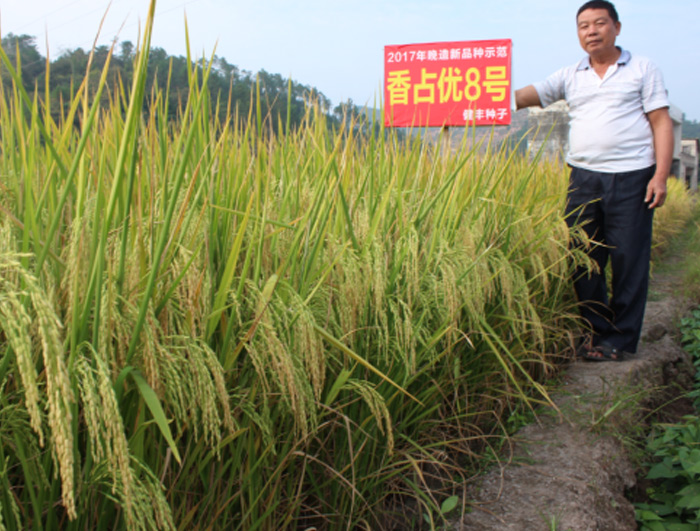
(338, 46)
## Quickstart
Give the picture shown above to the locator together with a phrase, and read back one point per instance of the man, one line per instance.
(620, 151)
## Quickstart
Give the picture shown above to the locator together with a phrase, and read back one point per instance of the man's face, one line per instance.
(597, 31)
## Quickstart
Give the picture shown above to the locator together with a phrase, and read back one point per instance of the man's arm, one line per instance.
(527, 97)
(662, 129)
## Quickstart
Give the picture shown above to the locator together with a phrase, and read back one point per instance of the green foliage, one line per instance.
(690, 330)
(675, 497)
(445, 509)
(691, 128)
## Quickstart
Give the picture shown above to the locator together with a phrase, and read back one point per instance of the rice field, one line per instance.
(204, 324)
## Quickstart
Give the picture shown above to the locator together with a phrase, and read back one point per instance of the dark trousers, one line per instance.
(612, 211)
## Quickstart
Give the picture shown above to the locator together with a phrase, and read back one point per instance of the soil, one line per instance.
(574, 469)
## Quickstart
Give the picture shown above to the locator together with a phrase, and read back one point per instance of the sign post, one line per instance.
(447, 84)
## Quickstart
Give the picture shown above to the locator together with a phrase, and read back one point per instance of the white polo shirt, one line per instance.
(608, 129)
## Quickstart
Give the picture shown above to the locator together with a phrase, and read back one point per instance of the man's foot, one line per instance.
(604, 353)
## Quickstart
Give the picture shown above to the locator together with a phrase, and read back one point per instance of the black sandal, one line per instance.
(604, 353)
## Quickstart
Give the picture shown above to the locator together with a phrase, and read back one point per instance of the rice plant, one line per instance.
(673, 218)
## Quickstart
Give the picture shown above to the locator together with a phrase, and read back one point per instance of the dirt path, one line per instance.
(570, 471)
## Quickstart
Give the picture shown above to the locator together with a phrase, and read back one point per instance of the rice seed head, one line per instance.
(308, 345)
(412, 266)
(105, 428)
(404, 333)
(59, 394)
(188, 377)
(16, 323)
(288, 373)
(206, 388)
(279, 367)
(46, 328)
(351, 287)
(117, 316)
(91, 407)
(379, 315)
(149, 509)
(77, 260)
(377, 406)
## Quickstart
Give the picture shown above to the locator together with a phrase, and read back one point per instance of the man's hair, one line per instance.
(600, 4)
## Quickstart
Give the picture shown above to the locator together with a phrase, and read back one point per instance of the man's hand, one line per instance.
(656, 191)
(662, 129)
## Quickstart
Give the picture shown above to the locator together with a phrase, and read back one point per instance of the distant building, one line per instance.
(677, 117)
(550, 137)
(550, 130)
(688, 162)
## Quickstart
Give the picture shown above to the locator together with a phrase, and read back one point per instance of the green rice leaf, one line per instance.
(151, 399)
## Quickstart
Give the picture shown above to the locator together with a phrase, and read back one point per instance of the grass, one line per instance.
(690, 261)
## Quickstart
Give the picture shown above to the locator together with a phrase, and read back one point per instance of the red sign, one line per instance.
(447, 83)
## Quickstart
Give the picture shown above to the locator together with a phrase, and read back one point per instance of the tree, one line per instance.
(280, 98)
(691, 129)
(33, 65)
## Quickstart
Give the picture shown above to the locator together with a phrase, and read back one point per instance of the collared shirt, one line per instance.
(608, 129)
